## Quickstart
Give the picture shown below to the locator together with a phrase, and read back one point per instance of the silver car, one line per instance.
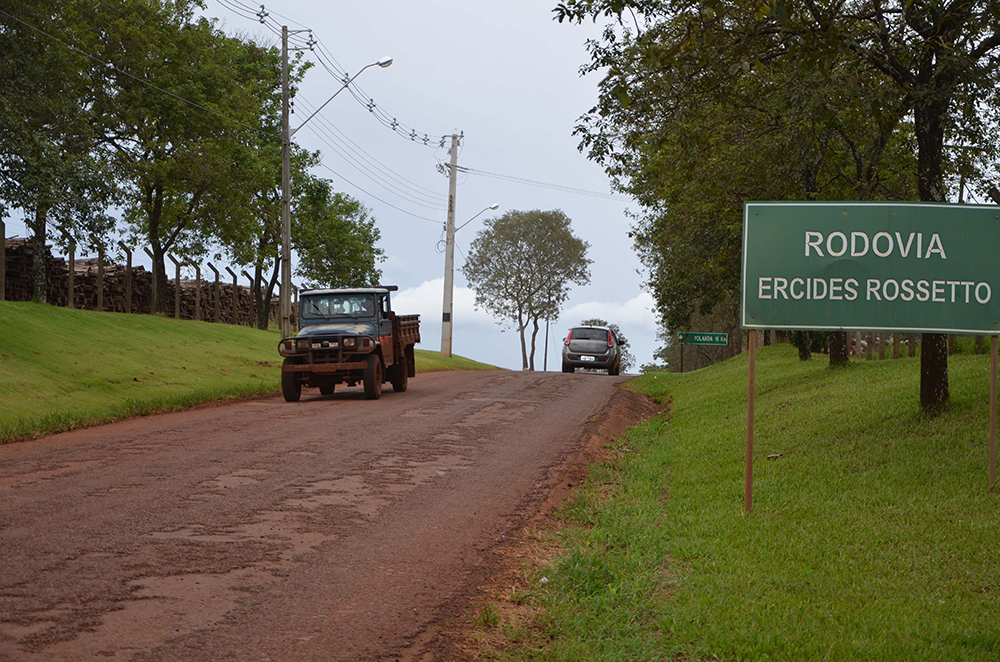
(594, 347)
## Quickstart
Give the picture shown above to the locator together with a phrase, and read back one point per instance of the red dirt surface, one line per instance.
(335, 528)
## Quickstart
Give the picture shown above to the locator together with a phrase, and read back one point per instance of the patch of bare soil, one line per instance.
(469, 632)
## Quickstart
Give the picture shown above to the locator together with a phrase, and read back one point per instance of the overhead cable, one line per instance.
(408, 213)
(532, 182)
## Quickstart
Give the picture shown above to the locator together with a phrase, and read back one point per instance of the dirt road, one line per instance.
(335, 528)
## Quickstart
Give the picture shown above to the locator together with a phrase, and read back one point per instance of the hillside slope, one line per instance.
(62, 369)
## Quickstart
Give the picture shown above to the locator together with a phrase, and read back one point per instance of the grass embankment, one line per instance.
(62, 369)
(873, 535)
(428, 361)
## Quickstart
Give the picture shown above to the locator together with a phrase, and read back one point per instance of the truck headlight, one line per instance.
(302, 343)
(350, 342)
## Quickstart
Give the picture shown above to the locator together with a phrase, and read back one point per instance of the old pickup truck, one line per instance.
(349, 335)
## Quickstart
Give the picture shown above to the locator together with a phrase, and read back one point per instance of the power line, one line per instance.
(422, 192)
(532, 182)
(409, 213)
(329, 62)
(325, 138)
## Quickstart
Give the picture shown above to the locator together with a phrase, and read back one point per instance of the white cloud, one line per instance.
(636, 313)
(427, 300)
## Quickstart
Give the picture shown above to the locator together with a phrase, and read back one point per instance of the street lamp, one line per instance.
(449, 278)
(284, 298)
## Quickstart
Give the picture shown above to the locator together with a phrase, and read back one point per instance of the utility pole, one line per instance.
(284, 299)
(449, 251)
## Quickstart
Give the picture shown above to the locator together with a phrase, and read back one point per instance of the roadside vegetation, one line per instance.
(872, 535)
(62, 369)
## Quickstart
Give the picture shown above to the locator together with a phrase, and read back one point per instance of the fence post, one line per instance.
(71, 276)
(100, 276)
(152, 302)
(128, 276)
(197, 292)
(3, 260)
(235, 294)
(218, 294)
(177, 287)
(253, 310)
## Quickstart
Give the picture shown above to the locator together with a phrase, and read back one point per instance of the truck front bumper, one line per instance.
(324, 367)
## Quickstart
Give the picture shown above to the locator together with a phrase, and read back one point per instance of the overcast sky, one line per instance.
(507, 76)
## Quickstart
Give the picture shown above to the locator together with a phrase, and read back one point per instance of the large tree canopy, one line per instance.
(145, 109)
(521, 266)
(708, 104)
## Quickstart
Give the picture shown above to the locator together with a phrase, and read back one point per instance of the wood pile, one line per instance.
(20, 284)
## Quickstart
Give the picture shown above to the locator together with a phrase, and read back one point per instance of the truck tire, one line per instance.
(327, 389)
(291, 387)
(399, 376)
(373, 378)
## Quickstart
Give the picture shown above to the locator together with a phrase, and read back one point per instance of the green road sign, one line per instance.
(691, 338)
(913, 267)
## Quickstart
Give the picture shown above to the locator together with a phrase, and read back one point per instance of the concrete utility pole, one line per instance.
(449, 251)
(3, 260)
(284, 305)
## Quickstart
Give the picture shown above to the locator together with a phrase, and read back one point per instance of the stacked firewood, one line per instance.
(20, 283)
(20, 274)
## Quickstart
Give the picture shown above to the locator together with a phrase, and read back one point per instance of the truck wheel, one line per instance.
(373, 378)
(399, 376)
(327, 389)
(291, 387)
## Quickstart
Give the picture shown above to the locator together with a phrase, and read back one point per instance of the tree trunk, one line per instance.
(839, 354)
(803, 339)
(40, 264)
(929, 127)
(521, 325)
(534, 335)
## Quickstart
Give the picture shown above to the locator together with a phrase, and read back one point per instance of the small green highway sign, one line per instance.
(689, 338)
(911, 267)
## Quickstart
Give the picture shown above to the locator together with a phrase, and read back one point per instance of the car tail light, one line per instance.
(610, 344)
(568, 337)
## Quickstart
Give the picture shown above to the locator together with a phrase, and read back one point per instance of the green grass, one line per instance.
(873, 535)
(62, 369)
(428, 361)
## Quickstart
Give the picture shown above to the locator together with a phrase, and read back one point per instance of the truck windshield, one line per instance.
(337, 305)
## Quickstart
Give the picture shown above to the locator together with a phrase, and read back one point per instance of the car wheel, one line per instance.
(399, 377)
(373, 378)
(291, 385)
(567, 368)
(327, 389)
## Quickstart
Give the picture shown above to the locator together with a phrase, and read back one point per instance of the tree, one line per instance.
(178, 123)
(334, 237)
(628, 359)
(692, 134)
(521, 266)
(51, 166)
(938, 58)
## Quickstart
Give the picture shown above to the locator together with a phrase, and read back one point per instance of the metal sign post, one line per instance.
(752, 377)
(993, 412)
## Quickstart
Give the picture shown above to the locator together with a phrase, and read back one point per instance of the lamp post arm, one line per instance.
(494, 206)
(344, 87)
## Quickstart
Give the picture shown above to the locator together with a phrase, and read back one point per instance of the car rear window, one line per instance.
(589, 334)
